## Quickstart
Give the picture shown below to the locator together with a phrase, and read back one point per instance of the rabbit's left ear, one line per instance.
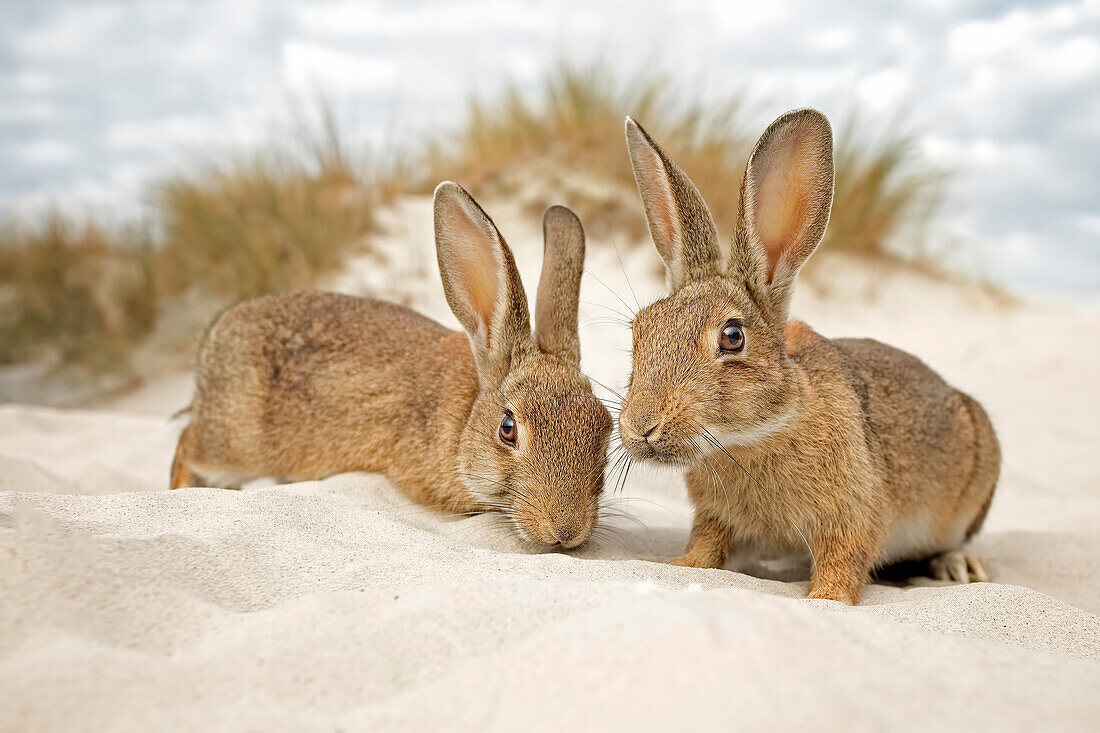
(786, 197)
(560, 284)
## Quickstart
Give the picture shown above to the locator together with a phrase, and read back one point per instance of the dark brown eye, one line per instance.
(508, 431)
(731, 338)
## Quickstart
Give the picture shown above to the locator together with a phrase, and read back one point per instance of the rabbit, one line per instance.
(848, 448)
(306, 385)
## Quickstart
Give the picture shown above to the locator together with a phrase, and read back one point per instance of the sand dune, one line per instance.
(338, 604)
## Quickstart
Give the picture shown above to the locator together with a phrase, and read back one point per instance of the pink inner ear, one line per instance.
(659, 201)
(784, 184)
(476, 266)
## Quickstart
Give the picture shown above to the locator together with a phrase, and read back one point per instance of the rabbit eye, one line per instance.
(508, 431)
(731, 338)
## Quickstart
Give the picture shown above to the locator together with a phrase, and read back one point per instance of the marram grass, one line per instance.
(281, 217)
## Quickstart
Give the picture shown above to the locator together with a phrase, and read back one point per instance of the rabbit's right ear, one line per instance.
(480, 281)
(679, 221)
(786, 197)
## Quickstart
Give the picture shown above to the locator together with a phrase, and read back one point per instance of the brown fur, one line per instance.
(181, 473)
(306, 385)
(849, 449)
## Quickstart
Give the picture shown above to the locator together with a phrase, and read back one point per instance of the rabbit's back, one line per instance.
(939, 455)
(305, 384)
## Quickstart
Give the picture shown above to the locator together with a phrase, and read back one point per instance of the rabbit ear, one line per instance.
(786, 197)
(560, 284)
(679, 221)
(480, 281)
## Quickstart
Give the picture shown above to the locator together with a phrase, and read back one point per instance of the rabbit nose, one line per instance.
(565, 533)
(645, 430)
(653, 433)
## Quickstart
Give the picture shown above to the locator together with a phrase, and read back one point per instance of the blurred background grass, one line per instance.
(572, 128)
(77, 294)
(74, 289)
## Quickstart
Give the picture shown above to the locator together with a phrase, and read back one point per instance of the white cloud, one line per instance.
(1050, 46)
(46, 152)
(1089, 224)
(72, 30)
(883, 91)
(981, 154)
(27, 111)
(743, 19)
(1015, 29)
(184, 132)
(524, 65)
(375, 18)
(833, 38)
(117, 197)
(1072, 59)
(34, 82)
(308, 67)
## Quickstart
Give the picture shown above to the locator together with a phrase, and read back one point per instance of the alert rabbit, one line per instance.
(848, 448)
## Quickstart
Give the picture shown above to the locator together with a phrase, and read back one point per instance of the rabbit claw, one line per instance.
(959, 566)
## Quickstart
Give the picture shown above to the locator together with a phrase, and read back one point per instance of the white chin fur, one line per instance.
(755, 435)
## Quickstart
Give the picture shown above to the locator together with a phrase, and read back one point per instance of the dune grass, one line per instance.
(267, 224)
(551, 143)
(573, 124)
(272, 220)
(283, 216)
(81, 292)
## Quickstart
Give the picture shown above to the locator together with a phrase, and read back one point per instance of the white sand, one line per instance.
(338, 604)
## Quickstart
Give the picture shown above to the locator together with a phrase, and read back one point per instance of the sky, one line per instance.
(97, 98)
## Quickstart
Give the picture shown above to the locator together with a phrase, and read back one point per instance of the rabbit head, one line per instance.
(535, 443)
(710, 364)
